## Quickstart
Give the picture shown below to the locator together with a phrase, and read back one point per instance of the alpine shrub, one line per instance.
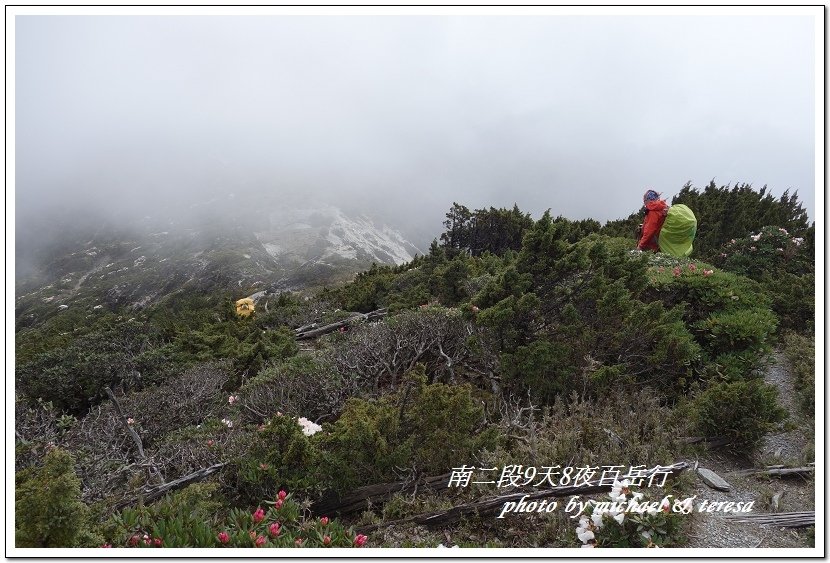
(741, 410)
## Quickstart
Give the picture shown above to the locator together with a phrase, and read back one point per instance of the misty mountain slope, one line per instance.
(326, 234)
(139, 264)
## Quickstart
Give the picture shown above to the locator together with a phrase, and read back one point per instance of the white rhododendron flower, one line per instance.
(585, 535)
(619, 489)
(227, 423)
(309, 428)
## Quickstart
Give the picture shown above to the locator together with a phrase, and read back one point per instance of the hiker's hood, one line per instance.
(659, 205)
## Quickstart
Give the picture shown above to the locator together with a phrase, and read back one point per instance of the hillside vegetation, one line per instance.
(512, 342)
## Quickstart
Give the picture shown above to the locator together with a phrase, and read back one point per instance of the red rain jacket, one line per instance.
(656, 211)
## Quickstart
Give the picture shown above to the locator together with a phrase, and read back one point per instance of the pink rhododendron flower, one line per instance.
(106, 545)
(708, 272)
(274, 529)
(359, 540)
(692, 267)
(130, 421)
(298, 542)
(232, 399)
(259, 515)
(324, 520)
(223, 537)
(282, 494)
(263, 466)
(210, 443)
(326, 540)
(676, 271)
(278, 504)
(260, 541)
(157, 542)
(133, 541)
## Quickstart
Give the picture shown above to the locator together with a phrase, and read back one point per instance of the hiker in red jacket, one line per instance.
(656, 210)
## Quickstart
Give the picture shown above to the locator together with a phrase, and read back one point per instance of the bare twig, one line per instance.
(151, 467)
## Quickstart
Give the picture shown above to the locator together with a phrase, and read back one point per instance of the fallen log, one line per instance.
(360, 499)
(492, 505)
(782, 519)
(777, 471)
(312, 331)
(152, 493)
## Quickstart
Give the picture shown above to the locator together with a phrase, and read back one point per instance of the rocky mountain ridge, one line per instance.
(223, 248)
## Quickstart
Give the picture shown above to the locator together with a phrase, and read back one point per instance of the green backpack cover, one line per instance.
(678, 231)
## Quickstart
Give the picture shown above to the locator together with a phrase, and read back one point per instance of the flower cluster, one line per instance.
(309, 428)
(769, 251)
(613, 524)
(274, 524)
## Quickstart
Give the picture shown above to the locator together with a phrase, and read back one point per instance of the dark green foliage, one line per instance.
(74, 376)
(278, 454)
(582, 325)
(741, 410)
(365, 293)
(451, 278)
(729, 315)
(485, 230)
(793, 300)
(48, 509)
(186, 518)
(189, 519)
(784, 265)
(746, 329)
(724, 214)
(768, 252)
(425, 428)
(801, 355)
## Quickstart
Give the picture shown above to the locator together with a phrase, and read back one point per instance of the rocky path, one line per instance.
(791, 445)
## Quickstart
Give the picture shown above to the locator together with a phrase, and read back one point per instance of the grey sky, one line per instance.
(407, 114)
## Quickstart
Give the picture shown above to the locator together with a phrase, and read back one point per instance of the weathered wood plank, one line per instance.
(713, 480)
(492, 505)
(781, 519)
(313, 331)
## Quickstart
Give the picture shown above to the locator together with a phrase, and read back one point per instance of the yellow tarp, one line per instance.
(678, 231)
(245, 307)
